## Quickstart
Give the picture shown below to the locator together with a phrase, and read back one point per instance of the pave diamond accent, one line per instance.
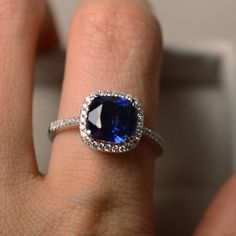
(60, 124)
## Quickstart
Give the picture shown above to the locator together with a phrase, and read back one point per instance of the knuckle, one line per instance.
(119, 32)
(19, 17)
(10, 8)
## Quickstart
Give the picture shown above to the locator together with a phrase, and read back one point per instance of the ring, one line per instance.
(110, 122)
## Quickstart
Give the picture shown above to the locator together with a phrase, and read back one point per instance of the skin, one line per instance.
(115, 45)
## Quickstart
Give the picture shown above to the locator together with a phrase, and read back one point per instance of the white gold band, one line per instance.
(74, 122)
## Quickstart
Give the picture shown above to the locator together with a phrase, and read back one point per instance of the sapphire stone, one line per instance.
(112, 119)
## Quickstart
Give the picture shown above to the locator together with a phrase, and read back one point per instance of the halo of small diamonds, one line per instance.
(130, 143)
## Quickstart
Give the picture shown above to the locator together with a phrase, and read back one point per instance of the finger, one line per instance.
(220, 218)
(113, 45)
(19, 24)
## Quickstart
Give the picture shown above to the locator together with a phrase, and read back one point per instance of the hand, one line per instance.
(113, 44)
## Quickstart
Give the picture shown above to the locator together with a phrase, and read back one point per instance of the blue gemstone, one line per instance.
(112, 119)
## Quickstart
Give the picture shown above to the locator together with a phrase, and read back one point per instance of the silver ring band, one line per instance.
(74, 122)
(81, 123)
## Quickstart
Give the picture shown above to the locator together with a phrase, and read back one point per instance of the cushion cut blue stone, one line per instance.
(112, 119)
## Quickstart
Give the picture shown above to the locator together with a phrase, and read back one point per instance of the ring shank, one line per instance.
(57, 125)
(74, 122)
(157, 140)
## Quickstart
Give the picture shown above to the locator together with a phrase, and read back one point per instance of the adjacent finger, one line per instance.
(19, 27)
(114, 45)
(220, 218)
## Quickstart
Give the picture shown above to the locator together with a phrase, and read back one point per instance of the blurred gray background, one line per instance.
(197, 110)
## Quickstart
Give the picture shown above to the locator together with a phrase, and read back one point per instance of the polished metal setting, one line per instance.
(81, 123)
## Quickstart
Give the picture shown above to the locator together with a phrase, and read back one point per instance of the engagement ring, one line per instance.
(110, 122)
